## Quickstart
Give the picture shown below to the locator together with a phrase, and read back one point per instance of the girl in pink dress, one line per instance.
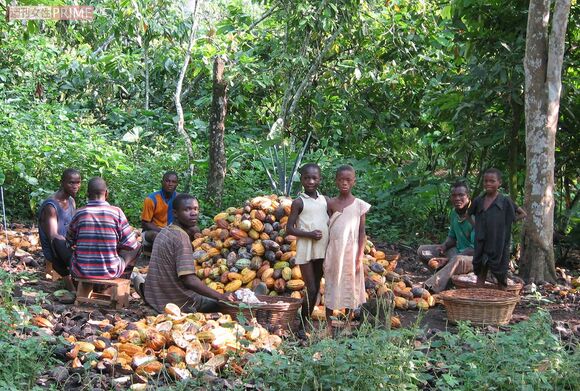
(343, 271)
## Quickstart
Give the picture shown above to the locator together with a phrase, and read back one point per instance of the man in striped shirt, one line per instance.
(104, 244)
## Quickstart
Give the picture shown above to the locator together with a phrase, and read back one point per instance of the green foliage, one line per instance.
(375, 359)
(527, 357)
(23, 357)
(414, 94)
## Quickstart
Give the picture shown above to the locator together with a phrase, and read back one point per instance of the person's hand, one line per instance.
(359, 264)
(316, 234)
(229, 297)
(441, 249)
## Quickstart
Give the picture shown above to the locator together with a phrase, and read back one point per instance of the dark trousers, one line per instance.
(62, 256)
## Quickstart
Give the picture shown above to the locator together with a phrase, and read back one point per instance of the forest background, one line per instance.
(413, 94)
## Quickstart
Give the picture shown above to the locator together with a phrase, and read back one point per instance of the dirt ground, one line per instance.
(69, 319)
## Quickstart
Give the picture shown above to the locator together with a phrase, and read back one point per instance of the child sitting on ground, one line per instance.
(494, 214)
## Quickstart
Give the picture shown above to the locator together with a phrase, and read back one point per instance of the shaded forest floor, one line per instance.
(32, 288)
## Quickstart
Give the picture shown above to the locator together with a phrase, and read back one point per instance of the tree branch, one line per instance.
(180, 122)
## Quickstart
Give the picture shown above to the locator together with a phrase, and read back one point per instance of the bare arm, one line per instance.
(520, 214)
(49, 222)
(149, 226)
(447, 244)
(195, 284)
(297, 206)
(329, 206)
(362, 239)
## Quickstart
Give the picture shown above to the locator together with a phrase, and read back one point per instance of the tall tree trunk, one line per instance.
(146, 60)
(217, 152)
(514, 149)
(181, 121)
(543, 68)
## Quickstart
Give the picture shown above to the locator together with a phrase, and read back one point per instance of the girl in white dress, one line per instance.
(343, 272)
(308, 221)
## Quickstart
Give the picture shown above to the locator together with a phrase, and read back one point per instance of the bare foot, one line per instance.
(68, 284)
(328, 332)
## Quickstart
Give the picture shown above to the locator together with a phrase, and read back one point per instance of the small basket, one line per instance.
(278, 313)
(479, 305)
(461, 283)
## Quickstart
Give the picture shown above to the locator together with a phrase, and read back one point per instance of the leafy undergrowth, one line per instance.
(527, 357)
(24, 351)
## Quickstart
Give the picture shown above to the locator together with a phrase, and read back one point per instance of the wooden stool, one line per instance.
(50, 273)
(118, 298)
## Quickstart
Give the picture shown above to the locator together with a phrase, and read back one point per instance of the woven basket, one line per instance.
(459, 282)
(479, 305)
(278, 313)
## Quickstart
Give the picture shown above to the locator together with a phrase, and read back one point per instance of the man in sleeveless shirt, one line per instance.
(54, 216)
(157, 208)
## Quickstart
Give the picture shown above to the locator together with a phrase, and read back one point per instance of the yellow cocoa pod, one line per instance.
(233, 286)
(262, 269)
(296, 273)
(257, 225)
(212, 252)
(220, 216)
(150, 368)
(267, 274)
(296, 295)
(129, 349)
(395, 322)
(264, 236)
(258, 248)
(254, 234)
(431, 301)
(401, 303)
(198, 242)
(288, 256)
(422, 304)
(295, 285)
(248, 277)
(270, 282)
(234, 276)
(293, 246)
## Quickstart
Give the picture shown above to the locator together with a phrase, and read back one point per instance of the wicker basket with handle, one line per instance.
(461, 282)
(279, 312)
(479, 305)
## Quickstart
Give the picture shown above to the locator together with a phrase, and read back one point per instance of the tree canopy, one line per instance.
(413, 94)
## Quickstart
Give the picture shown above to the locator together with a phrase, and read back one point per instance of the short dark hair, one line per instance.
(68, 173)
(460, 184)
(180, 200)
(344, 168)
(97, 186)
(170, 173)
(493, 171)
(309, 166)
